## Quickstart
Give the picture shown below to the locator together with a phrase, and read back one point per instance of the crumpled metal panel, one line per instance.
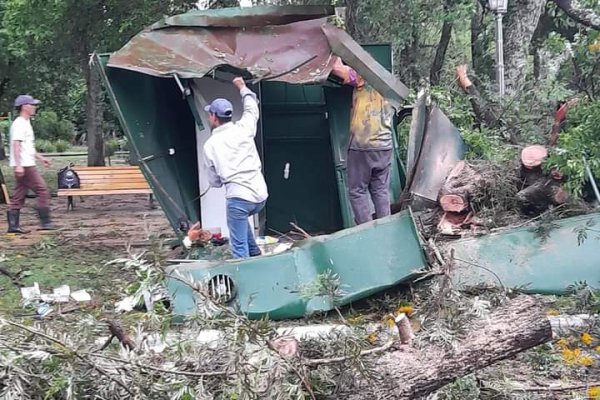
(295, 53)
(246, 17)
(534, 261)
(442, 147)
(366, 259)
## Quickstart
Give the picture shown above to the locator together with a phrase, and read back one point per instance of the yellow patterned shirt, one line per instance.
(371, 116)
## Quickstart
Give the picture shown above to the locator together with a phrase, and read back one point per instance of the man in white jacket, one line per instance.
(232, 160)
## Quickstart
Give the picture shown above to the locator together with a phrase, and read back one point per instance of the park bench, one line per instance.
(96, 181)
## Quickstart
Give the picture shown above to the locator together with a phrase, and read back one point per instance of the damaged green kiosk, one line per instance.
(160, 81)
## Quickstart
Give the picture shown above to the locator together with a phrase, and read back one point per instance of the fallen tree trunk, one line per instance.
(511, 329)
(539, 196)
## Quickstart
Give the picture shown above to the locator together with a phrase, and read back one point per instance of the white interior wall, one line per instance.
(212, 204)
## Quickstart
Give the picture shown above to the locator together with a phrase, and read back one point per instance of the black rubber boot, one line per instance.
(13, 217)
(45, 222)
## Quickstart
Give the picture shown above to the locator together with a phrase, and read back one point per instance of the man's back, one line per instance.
(231, 156)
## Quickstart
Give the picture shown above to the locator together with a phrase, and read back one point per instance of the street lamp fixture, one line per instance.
(499, 7)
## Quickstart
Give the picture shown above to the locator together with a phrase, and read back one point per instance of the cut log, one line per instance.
(461, 184)
(533, 156)
(453, 223)
(518, 326)
(540, 195)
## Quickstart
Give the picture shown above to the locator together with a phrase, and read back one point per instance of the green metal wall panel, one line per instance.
(295, 133)
(156, 118)
(536, 261)
(366, 259)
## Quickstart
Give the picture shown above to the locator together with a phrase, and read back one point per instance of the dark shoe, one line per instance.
(45, 222)
(13, 217)
(256, 254)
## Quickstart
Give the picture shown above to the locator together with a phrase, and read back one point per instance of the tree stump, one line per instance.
(461, 185)
(533, 156)
(518, 326)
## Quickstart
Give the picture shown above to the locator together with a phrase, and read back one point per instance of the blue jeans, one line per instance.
(241, 238)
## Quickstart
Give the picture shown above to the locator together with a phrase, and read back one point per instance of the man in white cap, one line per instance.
(232, 160)
(23, 159)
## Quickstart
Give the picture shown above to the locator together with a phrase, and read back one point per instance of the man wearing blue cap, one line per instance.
(23, 158)
(232, 160)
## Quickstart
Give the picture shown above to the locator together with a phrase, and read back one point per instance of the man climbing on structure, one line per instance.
(23, 159)
(370, 148)
(232, 160)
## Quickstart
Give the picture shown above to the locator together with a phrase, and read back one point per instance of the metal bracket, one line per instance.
(185, 91)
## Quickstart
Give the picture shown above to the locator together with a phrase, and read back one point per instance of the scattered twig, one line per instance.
(166, 371)
(14, 278)
(556, 388)
(117, 331)
(334, 360)
(302, 231)
(71, 351)
(447, 268)
(485, 269)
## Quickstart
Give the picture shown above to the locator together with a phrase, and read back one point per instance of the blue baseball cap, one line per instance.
(24, 99)
(221, 108)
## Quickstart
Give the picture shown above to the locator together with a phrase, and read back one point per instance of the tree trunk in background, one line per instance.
(442, 47)
(482, 64)
(519, 25)
(94, 117)
(351, 12)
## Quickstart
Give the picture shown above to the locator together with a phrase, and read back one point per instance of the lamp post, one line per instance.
(499, 7)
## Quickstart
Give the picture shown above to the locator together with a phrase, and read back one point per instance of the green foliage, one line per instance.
(48, 125)
(61, 145)
(44, 146)
(464, 388)
(111, 147)
(580, 139)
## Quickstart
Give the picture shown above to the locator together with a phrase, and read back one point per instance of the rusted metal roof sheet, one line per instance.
(246, 17)
(295, 53)
(374, 73)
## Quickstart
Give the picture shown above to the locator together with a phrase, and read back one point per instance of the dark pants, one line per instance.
(369, 173)
(241, 237)
(30, 180)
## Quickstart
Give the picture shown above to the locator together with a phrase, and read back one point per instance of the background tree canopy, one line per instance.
(552, 54)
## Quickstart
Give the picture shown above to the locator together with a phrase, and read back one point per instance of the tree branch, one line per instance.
(71, 351)
(576, 11)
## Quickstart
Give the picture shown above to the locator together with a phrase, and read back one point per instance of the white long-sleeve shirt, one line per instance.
(231, 157)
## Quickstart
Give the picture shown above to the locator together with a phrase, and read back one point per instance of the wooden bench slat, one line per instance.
(84, 167)
(83, 192)
(111, 177)
(108, 185)
(105, 172)
(96, 181)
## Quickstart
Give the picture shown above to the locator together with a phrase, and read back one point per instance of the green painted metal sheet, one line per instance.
(236, 17)
(298, 163)
(367, 259)
(155, 117)
(538, 261)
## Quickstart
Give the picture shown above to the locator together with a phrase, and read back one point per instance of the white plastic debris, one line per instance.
(31, 293)
(125, 305)
(81, 295)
